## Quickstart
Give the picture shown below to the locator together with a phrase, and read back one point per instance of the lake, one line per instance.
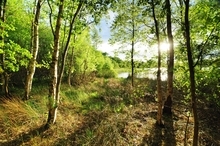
(150, 73)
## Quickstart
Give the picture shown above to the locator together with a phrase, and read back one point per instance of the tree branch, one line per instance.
(203, 44)
(50, 17)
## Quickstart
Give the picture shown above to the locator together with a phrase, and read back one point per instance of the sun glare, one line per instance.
(164, 46)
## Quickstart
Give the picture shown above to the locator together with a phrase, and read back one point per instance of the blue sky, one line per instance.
(144, 51)
(105, 30)
(105, 34)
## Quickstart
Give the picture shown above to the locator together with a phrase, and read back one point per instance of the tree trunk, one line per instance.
(5, 76)
(192, 77)
(52, 97)
(66, 49)
(159, 91)
(5, 84)
(132, 49)
(132, 56)
(54, 88)
(34, 50)
(170, 62)
(70, 67)
(71, 62)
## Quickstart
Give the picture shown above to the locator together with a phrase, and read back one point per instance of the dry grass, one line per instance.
(100, 119)
(17, 117)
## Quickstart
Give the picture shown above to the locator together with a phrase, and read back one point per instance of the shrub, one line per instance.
(107, 73)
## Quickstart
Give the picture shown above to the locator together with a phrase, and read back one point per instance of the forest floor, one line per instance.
(108, 113)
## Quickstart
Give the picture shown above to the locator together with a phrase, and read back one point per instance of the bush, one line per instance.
(107, 73)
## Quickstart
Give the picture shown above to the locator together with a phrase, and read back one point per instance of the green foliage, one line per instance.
(107, 65)
(88, 60)
(208, 83)
(107, 73)
(107, 69)
(128, 28)
(84, 59)
(21, 27)
(96, 39)
(15, 56)
(45, 41)
(119, 63)
(15, 35)
(97, 8)
(204, 30)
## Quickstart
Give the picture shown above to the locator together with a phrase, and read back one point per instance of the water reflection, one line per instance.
(146, 73)
(123, 74)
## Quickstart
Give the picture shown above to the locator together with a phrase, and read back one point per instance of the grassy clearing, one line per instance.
(106, 112)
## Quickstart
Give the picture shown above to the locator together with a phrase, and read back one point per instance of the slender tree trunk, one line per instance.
(170, 61)
(159, 91)
(132, 48)
(5, 75)
(5, 83)
(63, 61)
(182, 18)
(54, 89)
(70, 67)
(192, 73)
(132, 56)
(71, 62)
(52, 97)
(34, 49)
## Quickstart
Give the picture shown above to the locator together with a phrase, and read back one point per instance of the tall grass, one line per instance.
(80, 113)
(17, 117)
(104, 112)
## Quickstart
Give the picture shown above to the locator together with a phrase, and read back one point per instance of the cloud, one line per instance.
(143, 50)
(108, 48)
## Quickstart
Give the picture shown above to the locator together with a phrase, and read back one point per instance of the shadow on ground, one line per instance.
(209, 119)
(25, 137)
(169, 133)
(155, 137)
(92, 119)
(160, 135)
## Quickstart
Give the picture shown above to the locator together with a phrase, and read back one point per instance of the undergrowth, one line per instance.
(104, 112)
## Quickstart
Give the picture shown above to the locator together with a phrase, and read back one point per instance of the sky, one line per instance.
(144, 52)
(105, 35)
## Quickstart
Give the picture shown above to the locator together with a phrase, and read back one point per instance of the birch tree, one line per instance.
(56, 74)
(159, 91)
(67, 47)
(34, 48)
(170, 61)
(52, 96)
